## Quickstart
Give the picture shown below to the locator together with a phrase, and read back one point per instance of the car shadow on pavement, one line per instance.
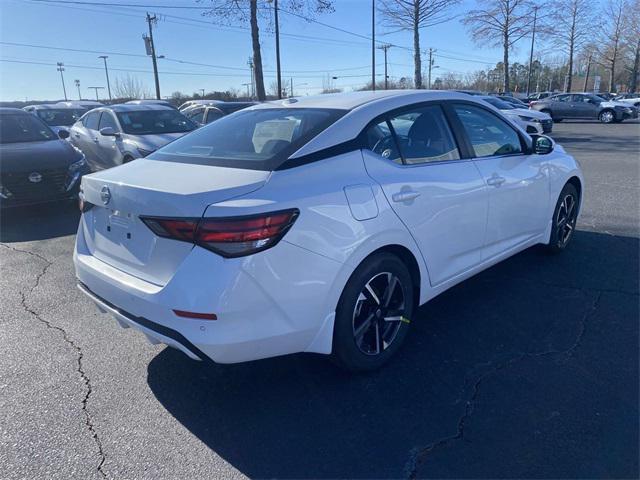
(529, 369)
(39, 222)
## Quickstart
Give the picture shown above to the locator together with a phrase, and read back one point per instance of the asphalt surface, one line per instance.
(529, 369)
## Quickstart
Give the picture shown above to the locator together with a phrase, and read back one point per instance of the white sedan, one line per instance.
(318, 224)
(532, 121)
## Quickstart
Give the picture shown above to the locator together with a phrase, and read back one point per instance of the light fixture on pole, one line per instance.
(77, 82)
(60, 68)
(96, 90)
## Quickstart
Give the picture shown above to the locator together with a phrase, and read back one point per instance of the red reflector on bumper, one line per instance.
(200, 316)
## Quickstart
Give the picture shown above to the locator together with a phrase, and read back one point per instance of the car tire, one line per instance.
(607, 116)
(564, 219)
(370, 325)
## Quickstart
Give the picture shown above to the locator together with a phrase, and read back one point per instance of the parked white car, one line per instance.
(318, 224)
(531, 120)
(632, 98)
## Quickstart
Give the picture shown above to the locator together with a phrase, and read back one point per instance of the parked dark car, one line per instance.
(205, 114)
(585, 106)
(516, 102)
(36, 165)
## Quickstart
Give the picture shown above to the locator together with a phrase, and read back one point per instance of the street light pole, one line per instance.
(96, 90)
(150, 20)
(533, 39)
(431, 61)
(77, 82)
(106, 71)
(373, 45)
(61, 69)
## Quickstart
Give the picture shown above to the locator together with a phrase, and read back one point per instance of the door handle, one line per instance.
(405, 196)
(496, 180)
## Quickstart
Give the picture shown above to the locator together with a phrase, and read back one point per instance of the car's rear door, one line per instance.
(563, 107)
(438, 194)
(518, 181)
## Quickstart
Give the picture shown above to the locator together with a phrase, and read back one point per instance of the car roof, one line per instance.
(231, 106)
(128, 107)
(13, 111)
(56, 106)
(352, 100)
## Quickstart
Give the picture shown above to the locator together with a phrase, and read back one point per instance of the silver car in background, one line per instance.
(57, 116)
(113, 135)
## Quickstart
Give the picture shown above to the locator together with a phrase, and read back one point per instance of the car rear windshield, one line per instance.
(60, 118)
(260, 139)
(23, 128)
(148, 122)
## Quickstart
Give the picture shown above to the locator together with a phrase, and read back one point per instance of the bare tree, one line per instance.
(500, 23)
(129, 87)
(247, 11)
(632, 42)
(571, 25)
(610, 36)
(415, 15)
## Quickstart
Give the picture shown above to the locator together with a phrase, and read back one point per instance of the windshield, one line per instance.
(23, 128)
(60, 118)
(256, 139)
(499, 104)
(147, 122)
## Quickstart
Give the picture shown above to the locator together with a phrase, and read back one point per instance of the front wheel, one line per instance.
(565, 216)
(606, 116)
(373, 314)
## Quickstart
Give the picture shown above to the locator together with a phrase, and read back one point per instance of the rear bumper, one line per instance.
(273, 303)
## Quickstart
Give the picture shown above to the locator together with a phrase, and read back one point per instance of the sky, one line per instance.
(201, 54)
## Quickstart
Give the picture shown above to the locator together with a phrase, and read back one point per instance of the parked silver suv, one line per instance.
(585, 105)
(110, 136)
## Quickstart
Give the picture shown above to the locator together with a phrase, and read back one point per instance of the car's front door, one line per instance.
(108, 146)
(440, 197)
(585, 106)
(563, 107)
(83, 137)
(518, 181)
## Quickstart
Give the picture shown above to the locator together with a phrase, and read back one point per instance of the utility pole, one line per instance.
(202, 90)
(384, 48)
(291, 92)
(586, 78)
(77, 82)
(278, 73)
(106, 71)
(151, 50)
(533, 39)
(253, 85)
(60, 68)
(373, 45)
(96, 90)
(431, 62)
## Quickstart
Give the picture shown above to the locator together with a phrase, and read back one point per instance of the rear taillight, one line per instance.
(230, 236)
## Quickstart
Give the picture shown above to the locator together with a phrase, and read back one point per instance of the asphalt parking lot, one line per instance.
(529, 369)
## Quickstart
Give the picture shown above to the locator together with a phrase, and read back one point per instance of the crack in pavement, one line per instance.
(65, 337)
(418, 455)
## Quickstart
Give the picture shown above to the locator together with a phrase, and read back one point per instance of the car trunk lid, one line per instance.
(150, 188)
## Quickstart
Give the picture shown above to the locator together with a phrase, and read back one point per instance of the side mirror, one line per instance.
(63, 134)
(108, 132)
(542, 144)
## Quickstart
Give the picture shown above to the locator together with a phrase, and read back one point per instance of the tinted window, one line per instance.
(196, 115)
(91, 120)
(62, 117)
(380, 140)
(423, 136)
(107, 120)
(489, 135)
(257, 139)
(562, 98)
(213, 115)
(499, 104)
(145, 122)
(23, 128)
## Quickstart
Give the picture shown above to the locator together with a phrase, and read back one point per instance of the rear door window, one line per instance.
(107, 121)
